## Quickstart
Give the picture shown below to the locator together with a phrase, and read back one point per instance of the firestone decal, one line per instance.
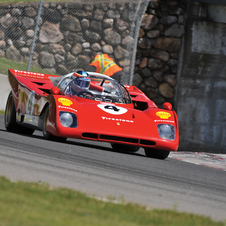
(117, 119)
(67, 108)
(160, 120)
(65, 101)
(29, 74)
(163, 114)
(112, 109)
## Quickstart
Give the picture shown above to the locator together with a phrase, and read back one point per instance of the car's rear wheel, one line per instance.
(124, 147)
(46, 135)
(156, 153)
(10, 118)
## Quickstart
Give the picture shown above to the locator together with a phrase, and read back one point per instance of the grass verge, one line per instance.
(23, 203)
(6, 64)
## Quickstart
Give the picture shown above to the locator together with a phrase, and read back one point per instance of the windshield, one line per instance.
(97, 87)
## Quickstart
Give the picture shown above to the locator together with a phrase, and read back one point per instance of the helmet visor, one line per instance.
(84, 83)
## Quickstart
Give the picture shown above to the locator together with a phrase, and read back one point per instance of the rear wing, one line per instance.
(38, 82)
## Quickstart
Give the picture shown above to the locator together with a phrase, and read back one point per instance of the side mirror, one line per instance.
(167, 106)
(54, 90)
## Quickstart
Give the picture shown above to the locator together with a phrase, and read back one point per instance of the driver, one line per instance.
(81, 82)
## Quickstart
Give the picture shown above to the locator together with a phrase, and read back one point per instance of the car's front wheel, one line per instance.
(156, 153)
(46, 135)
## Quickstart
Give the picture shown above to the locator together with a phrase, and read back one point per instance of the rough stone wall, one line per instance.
(62, 45)
(69, 32)
(158, 50)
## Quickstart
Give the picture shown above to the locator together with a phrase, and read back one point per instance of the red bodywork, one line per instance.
(136, 126)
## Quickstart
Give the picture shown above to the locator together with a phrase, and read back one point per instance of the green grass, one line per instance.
(6, 64)
(36, 204)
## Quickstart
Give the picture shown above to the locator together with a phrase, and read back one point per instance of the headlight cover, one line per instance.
(166, 131)
(68, 119)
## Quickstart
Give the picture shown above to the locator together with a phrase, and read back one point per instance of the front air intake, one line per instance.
(123, 139)
(147, 142)
(110, 138)
(90, 135)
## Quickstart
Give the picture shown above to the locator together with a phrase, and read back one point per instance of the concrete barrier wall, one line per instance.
(201, 99)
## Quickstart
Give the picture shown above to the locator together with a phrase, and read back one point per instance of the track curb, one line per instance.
(212, 160)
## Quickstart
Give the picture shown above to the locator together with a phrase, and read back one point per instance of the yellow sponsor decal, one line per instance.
(65, 101)
(163, 114)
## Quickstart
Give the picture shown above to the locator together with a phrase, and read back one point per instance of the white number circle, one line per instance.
(112, 109)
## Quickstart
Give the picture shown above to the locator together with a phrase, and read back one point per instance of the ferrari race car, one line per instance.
(91, 106)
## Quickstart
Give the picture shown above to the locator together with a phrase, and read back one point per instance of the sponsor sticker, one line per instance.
(163, 114)
(117, 120)
(65, 101)
(160, 120)
(29, 74)
(112, 109)
(67, 108)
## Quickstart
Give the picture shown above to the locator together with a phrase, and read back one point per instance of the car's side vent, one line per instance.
(45, 90)
(140, 105)
(39, 83)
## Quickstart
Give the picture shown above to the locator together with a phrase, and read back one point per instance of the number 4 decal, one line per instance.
(112, 109)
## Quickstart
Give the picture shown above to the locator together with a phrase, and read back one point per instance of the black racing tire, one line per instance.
(124, 147)
(156, 153)
(46, 135)
(10, 118)
(10, 115)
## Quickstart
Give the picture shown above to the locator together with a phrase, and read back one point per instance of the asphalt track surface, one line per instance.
(93, 168)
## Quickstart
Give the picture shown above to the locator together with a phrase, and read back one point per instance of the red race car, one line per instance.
(92, 106)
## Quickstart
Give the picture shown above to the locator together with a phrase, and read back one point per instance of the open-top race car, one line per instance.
(92, 106)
